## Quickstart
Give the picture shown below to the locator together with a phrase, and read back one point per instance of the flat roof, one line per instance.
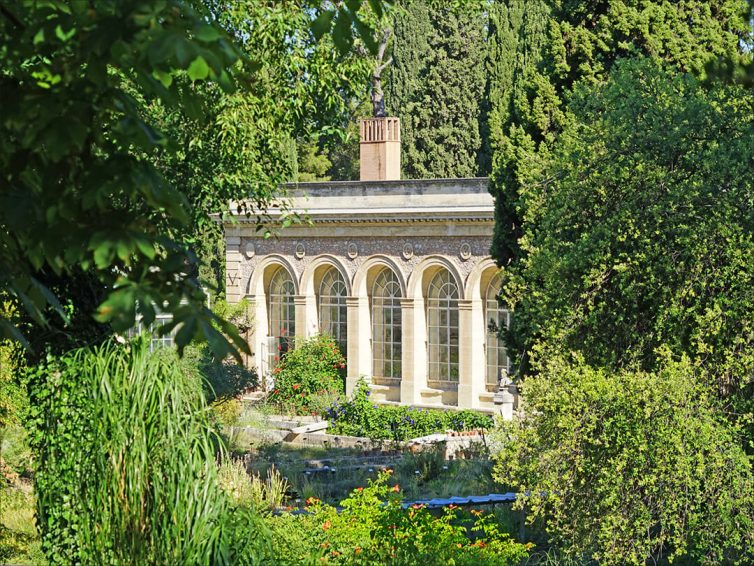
(388, 201)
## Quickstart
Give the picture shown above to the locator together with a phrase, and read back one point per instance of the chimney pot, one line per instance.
(380, 149)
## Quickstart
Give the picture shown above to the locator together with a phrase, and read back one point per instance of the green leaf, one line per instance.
(198, 70)
(207, 33)
(321, 25)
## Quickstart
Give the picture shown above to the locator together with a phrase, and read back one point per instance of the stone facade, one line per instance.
(429, 235)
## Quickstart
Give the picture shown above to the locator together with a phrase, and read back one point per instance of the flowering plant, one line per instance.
(312, 369)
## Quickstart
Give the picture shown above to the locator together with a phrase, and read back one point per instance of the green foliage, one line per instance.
(371, 527)
(313, 165)
(360, 417)
(645, 237)
(630, 466)
(19, 540)
(12, 396)
(221, 380)
(80, 188)
(540, 50)
(125, 460)
(252, 491)
(101, 106)
(313, 368)
(436, 86)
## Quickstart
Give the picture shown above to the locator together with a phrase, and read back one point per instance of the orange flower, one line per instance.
(459, 545)
(296, 385)
(312, 501)
(417, 506)
(326, 525)
(359, 489)
(325, 545)
(452, 506)
(396, 488)
(357, 550)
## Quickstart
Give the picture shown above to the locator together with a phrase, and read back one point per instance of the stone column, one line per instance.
(250, 361)
(233, 265)
(359, 355)
(260, 347)
(309, 316)
(414, 362)
(299, 302)
(471, 360)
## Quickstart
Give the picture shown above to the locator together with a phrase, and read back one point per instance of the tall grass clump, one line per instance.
(125, 459)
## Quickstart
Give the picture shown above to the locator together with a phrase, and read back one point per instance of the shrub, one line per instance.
(313, 368)
(126, 464)
(360, 417)
(372, 527)
(630, 466)
(252, 491)
(222, 380)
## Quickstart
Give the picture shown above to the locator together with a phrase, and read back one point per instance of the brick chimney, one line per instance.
(380, 149)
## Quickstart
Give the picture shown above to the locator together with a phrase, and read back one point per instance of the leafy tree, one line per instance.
(540, 50)
(645, 238)
(78, 153)
(436, 85)
(627, 467)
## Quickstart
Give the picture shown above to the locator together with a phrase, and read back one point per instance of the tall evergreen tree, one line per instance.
(436, 87)
(539, 49)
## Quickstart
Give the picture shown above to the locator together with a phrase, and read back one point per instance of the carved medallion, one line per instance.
(353, 250)
(408, 250)
(249, 250)
(300, 251)
(465, 251)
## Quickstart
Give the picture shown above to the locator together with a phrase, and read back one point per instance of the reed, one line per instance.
(126, 460)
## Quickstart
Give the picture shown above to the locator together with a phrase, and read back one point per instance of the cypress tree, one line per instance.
(436, 87)
(540, 49)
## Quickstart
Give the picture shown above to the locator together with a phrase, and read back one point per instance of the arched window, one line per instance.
(386, 325)
(496, 318)
(442, 327)
(332, 308)
(281, 312)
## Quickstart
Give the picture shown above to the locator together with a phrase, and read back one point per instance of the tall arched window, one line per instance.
(496, 317)
(281, 311)
(332, 308)
(442, 327)
(386, 325)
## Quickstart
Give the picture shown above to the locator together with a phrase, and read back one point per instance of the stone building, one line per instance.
(398, 272)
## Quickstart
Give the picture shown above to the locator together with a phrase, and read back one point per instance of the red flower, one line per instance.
(296, 386)
(359, 489)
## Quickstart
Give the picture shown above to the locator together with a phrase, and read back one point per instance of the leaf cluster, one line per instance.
(360, 416)
(630, 466)
(372, 527)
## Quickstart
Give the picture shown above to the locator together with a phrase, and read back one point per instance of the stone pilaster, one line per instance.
(414, 363)
(359, 355)
(233, 265)
(300, 304)
(471, 359)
